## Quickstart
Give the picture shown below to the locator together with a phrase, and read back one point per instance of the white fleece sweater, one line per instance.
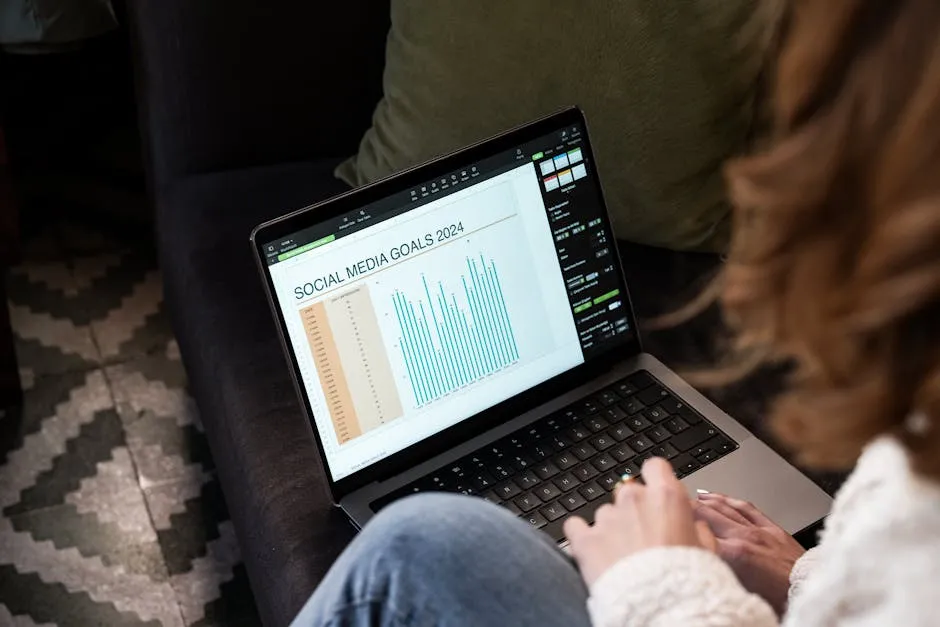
(878, 563)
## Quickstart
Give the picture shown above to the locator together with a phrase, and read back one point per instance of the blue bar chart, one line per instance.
(451, 337)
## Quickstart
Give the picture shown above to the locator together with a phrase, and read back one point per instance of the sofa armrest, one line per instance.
(225, 84)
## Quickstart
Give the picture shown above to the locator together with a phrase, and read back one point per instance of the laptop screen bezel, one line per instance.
(500, 413)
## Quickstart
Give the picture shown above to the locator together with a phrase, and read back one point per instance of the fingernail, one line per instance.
(701, 491)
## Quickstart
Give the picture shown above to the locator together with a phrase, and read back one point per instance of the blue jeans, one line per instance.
(445, 560)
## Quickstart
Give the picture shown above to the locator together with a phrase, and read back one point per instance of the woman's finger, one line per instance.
(750, 512)
(705, 536)
(718, 522)
(575, 528)
(626, 491)
(658, 474)
(725, 508)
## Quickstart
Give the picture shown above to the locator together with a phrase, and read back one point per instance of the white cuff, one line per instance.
(674, 586)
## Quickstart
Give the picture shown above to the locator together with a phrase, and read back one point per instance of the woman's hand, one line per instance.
(641, 517)
(760, 552)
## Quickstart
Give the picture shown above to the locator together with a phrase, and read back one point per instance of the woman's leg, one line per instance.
(437, 559)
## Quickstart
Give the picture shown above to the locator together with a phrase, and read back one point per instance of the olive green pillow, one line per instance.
(668, 88)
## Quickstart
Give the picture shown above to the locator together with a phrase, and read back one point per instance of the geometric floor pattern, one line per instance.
(110, 510)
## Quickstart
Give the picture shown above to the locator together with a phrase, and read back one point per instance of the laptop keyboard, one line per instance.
(566, 463)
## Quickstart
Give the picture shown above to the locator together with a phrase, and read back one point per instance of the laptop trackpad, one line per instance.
(757, 474)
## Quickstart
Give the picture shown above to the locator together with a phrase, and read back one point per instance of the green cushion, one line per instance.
(668, 88)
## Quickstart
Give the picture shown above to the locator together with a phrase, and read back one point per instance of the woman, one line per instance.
(834, 267)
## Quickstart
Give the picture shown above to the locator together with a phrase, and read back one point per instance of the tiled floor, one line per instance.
(110, 511)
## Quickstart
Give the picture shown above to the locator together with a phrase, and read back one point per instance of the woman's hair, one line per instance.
(834, 264)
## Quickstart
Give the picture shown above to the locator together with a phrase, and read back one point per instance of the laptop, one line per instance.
(465, 327)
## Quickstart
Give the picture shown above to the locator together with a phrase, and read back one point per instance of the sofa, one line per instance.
(246, 107)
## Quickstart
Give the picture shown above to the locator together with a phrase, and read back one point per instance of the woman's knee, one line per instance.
(437, 519)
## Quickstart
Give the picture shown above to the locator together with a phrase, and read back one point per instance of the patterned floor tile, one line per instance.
(135, 324)
(110, 510)
(160, 419)
(137, 586)
(30, 600)
(37, 458)
(202, 555)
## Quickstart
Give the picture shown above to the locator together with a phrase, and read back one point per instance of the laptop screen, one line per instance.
(413, 313)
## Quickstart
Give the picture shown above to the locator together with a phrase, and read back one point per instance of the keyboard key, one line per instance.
(690, 416)
(614, 414)
(592, 491)
(622, 452)
(490, 496)
(659, 433)
(653, 395)
(607, 398)
(475, 462)
(512, 508)
(630, 470)
(503, 470)
(541, 451)
(621, 432)
(667, 450)
(603, 462)
(521, 462)
(553, 511)
(547, 491)
(533, 433)
(570, 416)
(609, 481)
(547, 445)
(482, 480)
(440, 483)
(589, 406)
(640, 443)
(578, 433)
(553, 424)
(596, 424)
(546, 469)
(572, 501)
(656, 414)
(565, 460)
(527, 502)
(583, 451)
(560, 442)
(707, 456)
(671, 404)
(585, 471)
(507, 490)
(527, 480)
(676, 424)
(693, 437)
(626, 389)
(603, 442)
(684, 465)
(566, 481)
(536, 520)
(638, 422)
(632, 406)
(721, 445)
(695, 451)
(641, 379)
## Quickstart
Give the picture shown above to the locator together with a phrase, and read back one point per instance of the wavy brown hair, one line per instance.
(834, 264)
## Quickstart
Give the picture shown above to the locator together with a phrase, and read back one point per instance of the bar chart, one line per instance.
(456, 335)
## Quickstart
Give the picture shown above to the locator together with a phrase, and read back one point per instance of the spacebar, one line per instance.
(586, 511)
